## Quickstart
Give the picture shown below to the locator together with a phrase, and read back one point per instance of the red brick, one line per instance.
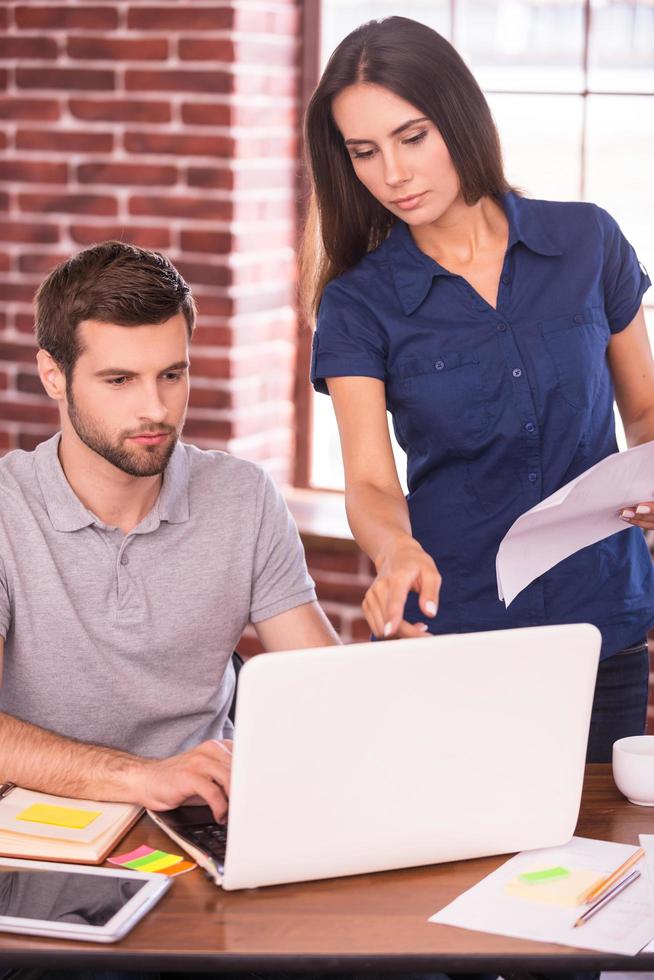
(36, 232)
(264, 115)
(4, 19)
(216, 178)
(333, 561)
(120, 111)
(29, 382)
(4, 201)
(4, 380)
(33, 48)
(143, 237)
(206, 49)
(265, 178)
(210, 397)
(208, 429)
(68, 203)
(65, 78)
(37, 109)
(175, 80)
(126, 173)
(211, 305)
(64, 141)
(204, 367)
(266, 209)
(18, 292)
(204, 336)
(265, 299)
(6, 441)
(40, 262)
(17, 352)
(179, 145)
(267, 147)
(180, 18)
(360, 630)
(23, 412)
(204, 273)
(283, 84)
(5, 262)
(181, 207)
(118, 49)
(216, 242)
(30, 440)
(34, 170)
(335, 589)
(3, 78)
(24, 322)
(32, 16)
(206, 114)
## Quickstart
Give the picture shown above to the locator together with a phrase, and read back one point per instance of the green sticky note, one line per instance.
(142, 862)
(547, 874)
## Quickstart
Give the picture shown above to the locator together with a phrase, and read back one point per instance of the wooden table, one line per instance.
(374, 922)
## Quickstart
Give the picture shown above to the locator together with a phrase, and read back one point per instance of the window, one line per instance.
(582, 69)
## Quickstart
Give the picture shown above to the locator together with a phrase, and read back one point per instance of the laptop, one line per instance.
(387, 755)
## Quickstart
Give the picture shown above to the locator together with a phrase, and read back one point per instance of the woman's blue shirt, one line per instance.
(498, 408)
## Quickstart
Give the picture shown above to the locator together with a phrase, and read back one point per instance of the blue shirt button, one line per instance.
(439, 365)
(506, 280)
(501, 326)
(533, 477)
(517, 373)
(530, 427)
(578, 318)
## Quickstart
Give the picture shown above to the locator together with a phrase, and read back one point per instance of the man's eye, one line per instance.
(117, 382)
(172, 375)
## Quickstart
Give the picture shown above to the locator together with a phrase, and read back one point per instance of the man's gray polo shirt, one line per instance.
(126, 640)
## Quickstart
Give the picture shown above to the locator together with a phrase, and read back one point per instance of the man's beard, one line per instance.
(145, 461)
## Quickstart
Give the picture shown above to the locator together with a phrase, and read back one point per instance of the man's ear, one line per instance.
(52, 377)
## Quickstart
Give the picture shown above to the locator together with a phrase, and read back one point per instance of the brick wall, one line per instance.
(172, 126)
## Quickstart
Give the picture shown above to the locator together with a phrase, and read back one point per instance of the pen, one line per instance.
(608, 897)
(6, 788)
(602, 886)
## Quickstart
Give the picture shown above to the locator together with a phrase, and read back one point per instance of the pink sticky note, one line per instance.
(139, 852)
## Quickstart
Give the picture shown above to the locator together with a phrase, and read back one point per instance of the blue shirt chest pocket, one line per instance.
(438, 400)
(576, 346)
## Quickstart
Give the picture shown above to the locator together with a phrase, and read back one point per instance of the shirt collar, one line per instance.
(67, 512)
(414, 271)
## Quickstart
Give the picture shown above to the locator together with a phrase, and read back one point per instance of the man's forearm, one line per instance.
(37, 759)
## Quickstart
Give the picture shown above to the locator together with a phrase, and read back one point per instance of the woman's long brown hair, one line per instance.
(344, 220)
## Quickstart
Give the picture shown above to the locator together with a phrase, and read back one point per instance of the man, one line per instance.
(129, 562)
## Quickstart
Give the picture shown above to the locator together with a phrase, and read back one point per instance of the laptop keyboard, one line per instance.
(210, 838)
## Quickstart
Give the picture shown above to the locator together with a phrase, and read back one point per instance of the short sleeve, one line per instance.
(348, 341)
(624, 278)
(280, 578)
(5, 606)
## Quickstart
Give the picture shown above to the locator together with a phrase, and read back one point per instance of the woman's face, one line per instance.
(397, 153)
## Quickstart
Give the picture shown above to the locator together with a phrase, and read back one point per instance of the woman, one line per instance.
(496, 330)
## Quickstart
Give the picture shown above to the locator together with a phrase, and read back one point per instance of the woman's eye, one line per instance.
(418, 138)
(362, 154)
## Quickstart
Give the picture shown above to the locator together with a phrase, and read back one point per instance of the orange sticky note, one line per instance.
(59, 816)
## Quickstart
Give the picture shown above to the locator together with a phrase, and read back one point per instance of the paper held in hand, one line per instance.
(582, 512)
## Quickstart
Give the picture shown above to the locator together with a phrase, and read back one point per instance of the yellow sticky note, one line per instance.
(59, 816)
(160, 864)
(567, 892)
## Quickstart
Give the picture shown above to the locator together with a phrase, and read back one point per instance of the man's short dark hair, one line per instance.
(111, 282)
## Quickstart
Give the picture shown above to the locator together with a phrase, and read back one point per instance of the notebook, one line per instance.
(55, 828)
(389, 755)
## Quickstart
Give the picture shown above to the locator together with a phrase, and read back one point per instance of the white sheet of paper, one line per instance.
(583, 511)
(624, 926)
(647, 841)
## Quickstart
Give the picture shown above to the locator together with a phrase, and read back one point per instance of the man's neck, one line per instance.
(118, 499)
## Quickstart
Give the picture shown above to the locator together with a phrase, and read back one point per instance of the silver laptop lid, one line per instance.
(387, 755)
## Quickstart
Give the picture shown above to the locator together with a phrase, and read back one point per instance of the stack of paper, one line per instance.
(506, 902)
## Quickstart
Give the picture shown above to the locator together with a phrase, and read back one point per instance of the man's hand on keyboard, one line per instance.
(199, 775)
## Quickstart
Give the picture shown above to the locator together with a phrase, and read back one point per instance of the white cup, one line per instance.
(633, 768)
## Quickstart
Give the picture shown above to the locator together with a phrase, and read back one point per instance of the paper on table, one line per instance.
(583, 511)
(647, 841)
(624, 926)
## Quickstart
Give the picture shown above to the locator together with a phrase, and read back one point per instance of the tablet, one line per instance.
(71, 901)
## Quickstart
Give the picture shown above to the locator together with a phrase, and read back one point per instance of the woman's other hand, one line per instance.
(404, 567)
(641, 515)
